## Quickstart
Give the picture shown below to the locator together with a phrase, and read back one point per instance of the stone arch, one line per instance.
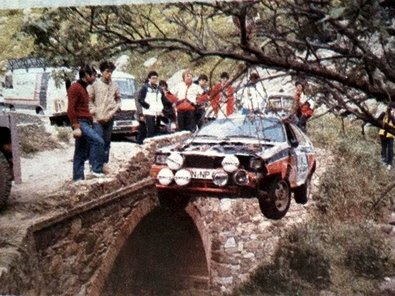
(146, 207)
(203, 229)
(142, 209)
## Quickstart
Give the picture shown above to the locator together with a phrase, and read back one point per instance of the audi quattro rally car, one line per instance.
(240, 156)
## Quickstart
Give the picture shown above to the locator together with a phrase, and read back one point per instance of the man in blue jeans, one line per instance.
(88, 143)
(105, 101)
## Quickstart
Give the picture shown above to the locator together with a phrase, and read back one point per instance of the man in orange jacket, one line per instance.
(303, 107)
(222, 97)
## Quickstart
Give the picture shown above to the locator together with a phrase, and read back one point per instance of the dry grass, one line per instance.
(341, 249)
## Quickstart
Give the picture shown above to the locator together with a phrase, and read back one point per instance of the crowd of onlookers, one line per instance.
(190, 103)
(92, 104)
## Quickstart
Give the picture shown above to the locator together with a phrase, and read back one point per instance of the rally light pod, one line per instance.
(183, 177)
(220, 178)
(230, 163)
(175, 161)
(165, 176)
(240, 177)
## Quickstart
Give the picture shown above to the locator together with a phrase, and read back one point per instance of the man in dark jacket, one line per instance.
(87, 141)
(153, 101)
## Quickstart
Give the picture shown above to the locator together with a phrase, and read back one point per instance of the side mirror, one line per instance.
(294, 143)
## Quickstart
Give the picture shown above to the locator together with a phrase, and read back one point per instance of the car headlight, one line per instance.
(165, 176)
(230, 163)
(183, 177)
(161, 158)
(256, 163)
(175, 161)
(220, 178)
(241, 177)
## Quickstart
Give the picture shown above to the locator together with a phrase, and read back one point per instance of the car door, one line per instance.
(301, 155)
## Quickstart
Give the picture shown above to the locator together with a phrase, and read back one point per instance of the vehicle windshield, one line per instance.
(262, 128)
(126, 87)
(281, 102)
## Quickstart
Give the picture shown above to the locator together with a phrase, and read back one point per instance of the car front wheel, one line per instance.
(275, 204)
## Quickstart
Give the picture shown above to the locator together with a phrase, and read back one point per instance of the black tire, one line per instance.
(301, 193)
(172, 201)
(5, 180)
(275, 204)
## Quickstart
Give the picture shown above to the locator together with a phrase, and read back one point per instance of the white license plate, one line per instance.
(205, 174)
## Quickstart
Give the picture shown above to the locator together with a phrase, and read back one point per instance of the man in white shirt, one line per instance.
(252, 96)
(186, 93)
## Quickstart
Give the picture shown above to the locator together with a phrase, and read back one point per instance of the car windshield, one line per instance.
(126, 87)
(262, 128)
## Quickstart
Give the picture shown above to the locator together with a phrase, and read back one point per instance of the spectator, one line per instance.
(387, 138)
(153, 101)
(302, 107)
(201, 101)
(222, 98)
(186, 93)
(168, 111)
(252, 96)
(105, 101)
(87, 141)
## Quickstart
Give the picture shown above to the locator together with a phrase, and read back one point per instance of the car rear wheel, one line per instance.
(275, 204)
(5, 180)
(172, 200)
(301, 193)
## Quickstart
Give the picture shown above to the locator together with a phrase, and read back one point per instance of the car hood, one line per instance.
(264, 149)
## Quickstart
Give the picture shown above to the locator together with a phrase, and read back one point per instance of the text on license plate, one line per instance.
(202, 174)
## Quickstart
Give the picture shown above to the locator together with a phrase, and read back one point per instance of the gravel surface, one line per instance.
(48, 171)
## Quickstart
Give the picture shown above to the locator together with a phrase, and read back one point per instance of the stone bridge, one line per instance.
(117, 240)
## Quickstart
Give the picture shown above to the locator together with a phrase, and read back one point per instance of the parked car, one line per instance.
(240, 156)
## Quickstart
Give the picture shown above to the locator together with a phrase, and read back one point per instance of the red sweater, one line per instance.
(78, 103)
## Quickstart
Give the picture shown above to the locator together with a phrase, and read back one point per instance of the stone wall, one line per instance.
(73, 253)
(239, 237)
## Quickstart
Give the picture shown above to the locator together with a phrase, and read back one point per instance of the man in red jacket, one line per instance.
(222, 98)
(88, 143)
(303, 107)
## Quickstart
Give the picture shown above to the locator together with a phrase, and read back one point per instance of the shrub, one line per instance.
(368, 253)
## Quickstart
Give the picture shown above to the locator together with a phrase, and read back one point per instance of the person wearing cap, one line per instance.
(222, 97)
(202, 100)
(252, 96)
(186, 92)
(387, 138)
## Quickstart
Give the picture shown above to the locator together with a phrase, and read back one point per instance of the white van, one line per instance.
(34, 89)
(30, 86)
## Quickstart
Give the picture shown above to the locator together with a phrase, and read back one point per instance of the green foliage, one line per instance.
(352, 185)
(13, 44)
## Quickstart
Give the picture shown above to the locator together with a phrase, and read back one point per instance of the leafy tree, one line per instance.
(12, 43)
(344, 48)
